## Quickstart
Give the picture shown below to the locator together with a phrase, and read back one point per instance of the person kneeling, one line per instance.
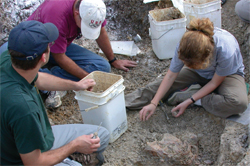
(27, 138)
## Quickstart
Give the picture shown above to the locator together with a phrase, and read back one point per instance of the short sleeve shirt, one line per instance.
(60, 13)
(24, 122)
(227, 58)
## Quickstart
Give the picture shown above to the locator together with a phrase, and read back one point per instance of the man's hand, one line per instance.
(83, 144)
(86, 84)
(147, 111)
(124, 64)
(104, 43)
(87, 145)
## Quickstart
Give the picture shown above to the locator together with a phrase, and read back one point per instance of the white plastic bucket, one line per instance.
(211, 10)
(105, 103)
(165, 35)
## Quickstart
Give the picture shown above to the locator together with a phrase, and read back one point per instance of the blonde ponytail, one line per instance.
(197, 44)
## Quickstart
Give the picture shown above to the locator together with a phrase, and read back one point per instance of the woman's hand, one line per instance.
(180, 109)
(147, 111)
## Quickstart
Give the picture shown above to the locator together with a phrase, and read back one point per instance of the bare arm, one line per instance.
(49, 82)
(208, 88)
(166, 83)
(69, 65)
(104, 43)
(83, 144)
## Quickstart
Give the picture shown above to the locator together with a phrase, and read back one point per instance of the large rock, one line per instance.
(233, 144)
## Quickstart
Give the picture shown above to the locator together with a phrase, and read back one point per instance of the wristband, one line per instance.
(153, 104)
(111, 61)
(192, 99)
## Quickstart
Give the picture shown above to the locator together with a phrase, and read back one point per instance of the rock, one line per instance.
(173, 150)
(208, 162)
(231, 149)
(191, 138)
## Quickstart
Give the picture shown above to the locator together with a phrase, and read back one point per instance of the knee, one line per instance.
(102, 65)
(239, 105)
(104, 137)
(106, 67)
(243, 106)
(242, 10)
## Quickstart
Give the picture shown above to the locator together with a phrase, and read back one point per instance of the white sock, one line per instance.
(198, 102)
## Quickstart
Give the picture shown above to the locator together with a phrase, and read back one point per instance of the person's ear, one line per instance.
(76, 13)
(44, 57)
(77, 18)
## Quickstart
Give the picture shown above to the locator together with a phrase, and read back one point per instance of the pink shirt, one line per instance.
(60, 13)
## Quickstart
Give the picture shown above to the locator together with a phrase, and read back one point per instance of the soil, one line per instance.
(219, 141)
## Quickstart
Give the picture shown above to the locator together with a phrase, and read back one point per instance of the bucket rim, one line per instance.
(104, 93)
(203, 5)
(101, 94)
(101, 98)
(168, 22)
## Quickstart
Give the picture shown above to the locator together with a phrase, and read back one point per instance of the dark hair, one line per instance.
(197, 44)
(25, 64)
(77, 5)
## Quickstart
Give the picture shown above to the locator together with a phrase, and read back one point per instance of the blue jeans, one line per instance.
(84, 58)
(4, 47)
(66, 133)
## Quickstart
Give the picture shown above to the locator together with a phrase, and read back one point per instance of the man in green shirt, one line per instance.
(26, 135)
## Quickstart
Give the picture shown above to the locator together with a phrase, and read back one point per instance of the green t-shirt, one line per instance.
(24, 121)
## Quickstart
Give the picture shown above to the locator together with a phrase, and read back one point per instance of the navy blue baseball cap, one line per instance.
(31, 38)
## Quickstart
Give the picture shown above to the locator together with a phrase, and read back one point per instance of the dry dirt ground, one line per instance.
(218, 141)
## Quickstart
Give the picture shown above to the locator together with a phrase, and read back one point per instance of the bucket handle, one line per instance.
(96, 106)
(114, 93)
(91, 108)
(163, 33)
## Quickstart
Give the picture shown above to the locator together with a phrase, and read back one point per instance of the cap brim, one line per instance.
(53, 31)
(90, 33)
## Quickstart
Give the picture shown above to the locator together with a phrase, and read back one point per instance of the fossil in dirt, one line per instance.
(174, 151)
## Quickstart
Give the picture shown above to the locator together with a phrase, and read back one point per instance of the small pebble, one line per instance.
(174, 113)
(208, 162)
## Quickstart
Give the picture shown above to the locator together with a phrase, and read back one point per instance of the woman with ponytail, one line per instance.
(206, 70)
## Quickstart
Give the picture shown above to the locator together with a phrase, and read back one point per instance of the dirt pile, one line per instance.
(166, 14)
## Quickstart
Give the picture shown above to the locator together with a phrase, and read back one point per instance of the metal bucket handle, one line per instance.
(163, 34)
(91, 108)
(113, 94)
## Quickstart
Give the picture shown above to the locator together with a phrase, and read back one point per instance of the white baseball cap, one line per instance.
(92, 13)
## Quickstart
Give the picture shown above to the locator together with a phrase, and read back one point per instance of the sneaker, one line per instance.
(96, 159)
(100, 158)
(54, 99)
(61, 93)
(182, 95)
